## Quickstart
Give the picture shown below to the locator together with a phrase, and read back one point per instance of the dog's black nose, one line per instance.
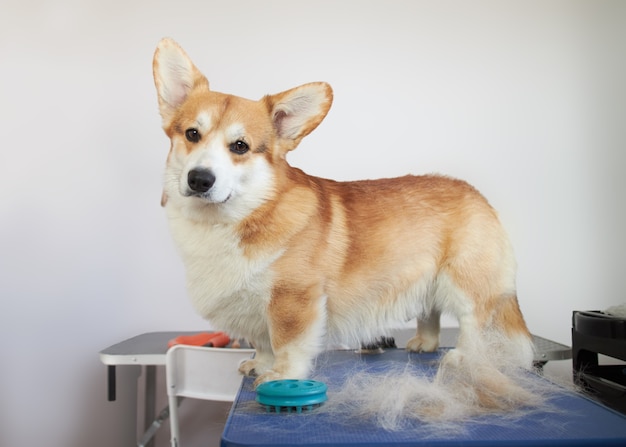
(200, 180)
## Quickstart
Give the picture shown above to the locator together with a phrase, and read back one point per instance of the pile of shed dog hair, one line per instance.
(440, 399)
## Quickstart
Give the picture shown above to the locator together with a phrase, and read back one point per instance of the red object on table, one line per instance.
(210, 339)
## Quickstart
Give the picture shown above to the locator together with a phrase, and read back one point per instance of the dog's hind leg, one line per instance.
(488, 358)
(493, 343)
(427, 337)
(477, 285)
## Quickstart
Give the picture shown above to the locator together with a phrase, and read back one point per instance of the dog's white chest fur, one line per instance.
(225, 286)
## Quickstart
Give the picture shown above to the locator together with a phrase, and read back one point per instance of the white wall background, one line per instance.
(525, 99)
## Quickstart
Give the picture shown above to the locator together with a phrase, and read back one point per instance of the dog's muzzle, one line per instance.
(200, 180)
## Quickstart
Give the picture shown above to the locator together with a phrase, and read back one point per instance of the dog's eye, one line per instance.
(239, 147)
(192, 135)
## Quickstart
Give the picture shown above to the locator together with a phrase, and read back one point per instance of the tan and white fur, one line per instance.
(293, 262)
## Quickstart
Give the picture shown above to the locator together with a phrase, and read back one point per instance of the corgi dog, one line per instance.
(294, 262)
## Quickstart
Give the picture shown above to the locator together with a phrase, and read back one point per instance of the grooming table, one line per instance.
(148, 351)
(575, 421)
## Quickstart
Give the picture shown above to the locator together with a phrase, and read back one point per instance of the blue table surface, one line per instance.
(574, 421)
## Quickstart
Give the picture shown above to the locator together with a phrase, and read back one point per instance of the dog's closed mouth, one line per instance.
(226, 199)
(207, 197)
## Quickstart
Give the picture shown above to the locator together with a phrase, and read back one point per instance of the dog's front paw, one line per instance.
(252, 368)
(267, 376)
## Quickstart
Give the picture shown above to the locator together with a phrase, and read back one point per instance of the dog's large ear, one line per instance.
(175, 76)
(297, 112)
